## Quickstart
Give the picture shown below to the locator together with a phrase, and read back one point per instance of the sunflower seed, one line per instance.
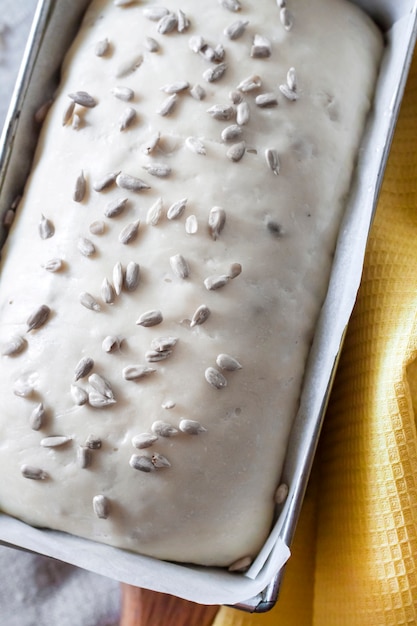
(261, 47)
(150, 318)
(115, 207)
(46, 228)
(242, 113)
(292, 79)
(144, 440)
(149, 146)
(129, 232)
(228, 363)
(177, 209)
(250, 83)
(191, 225)
(127, 118)
(241, 565)
(281, 493)
(191, 427)
(216, 221)
(286, 18)
(141, 463)
(102, 47)
(54, 441)
(34, 473)
(87, 300)
(288, 93)
(266, 100)
(101, 385)
(111, 344)
(23, 387)
(68, 113)
(101, 506)
(125, 181)
(212, 283)
(236, 30)
(212, 74)
(179, 266)
(272, 159)
(215, 378)
(129, 66)
(83, 368)
(195, 145)
(231, 133)
(137, 372)
(38, 318)
(106, 181)
(200, 316)
(107, 292)
(93, 442)
(80, 188)
(219, 53)
(196, 43)
(236, 151)
(159, 461)
(167, 23)
(86, 247)
(84, 457)
(161, 170)
(83, 98)
(151, 44)
(168, 404)
(183, 23)
(123, 93)
(14, 345)
(163, 343)
(163, 429)
(208, 53)
(198, 92)
(154, 356)
(76, 122)
(235, 270)
(221, 112)
(118, 278)
(168, 105)
(132, 276)
(79, 395)
(177, 87)
(154, 213)
(230, 5)
(97, 227)
(155, 13)
(235, 97)
(98, 401)
(37, 417)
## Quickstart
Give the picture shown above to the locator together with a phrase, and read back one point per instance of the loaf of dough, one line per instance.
(163, 277)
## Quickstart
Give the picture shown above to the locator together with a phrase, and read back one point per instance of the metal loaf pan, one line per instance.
(36, 83)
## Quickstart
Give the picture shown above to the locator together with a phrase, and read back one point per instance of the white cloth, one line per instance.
(35, 590)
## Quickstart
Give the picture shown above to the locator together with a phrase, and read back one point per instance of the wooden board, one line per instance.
(141, 607)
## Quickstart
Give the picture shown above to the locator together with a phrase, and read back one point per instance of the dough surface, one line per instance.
(209, 495)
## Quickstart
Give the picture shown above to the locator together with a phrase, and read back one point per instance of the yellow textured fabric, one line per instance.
(354, 557)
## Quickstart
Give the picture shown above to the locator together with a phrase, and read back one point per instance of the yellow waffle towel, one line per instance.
(354, 559)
